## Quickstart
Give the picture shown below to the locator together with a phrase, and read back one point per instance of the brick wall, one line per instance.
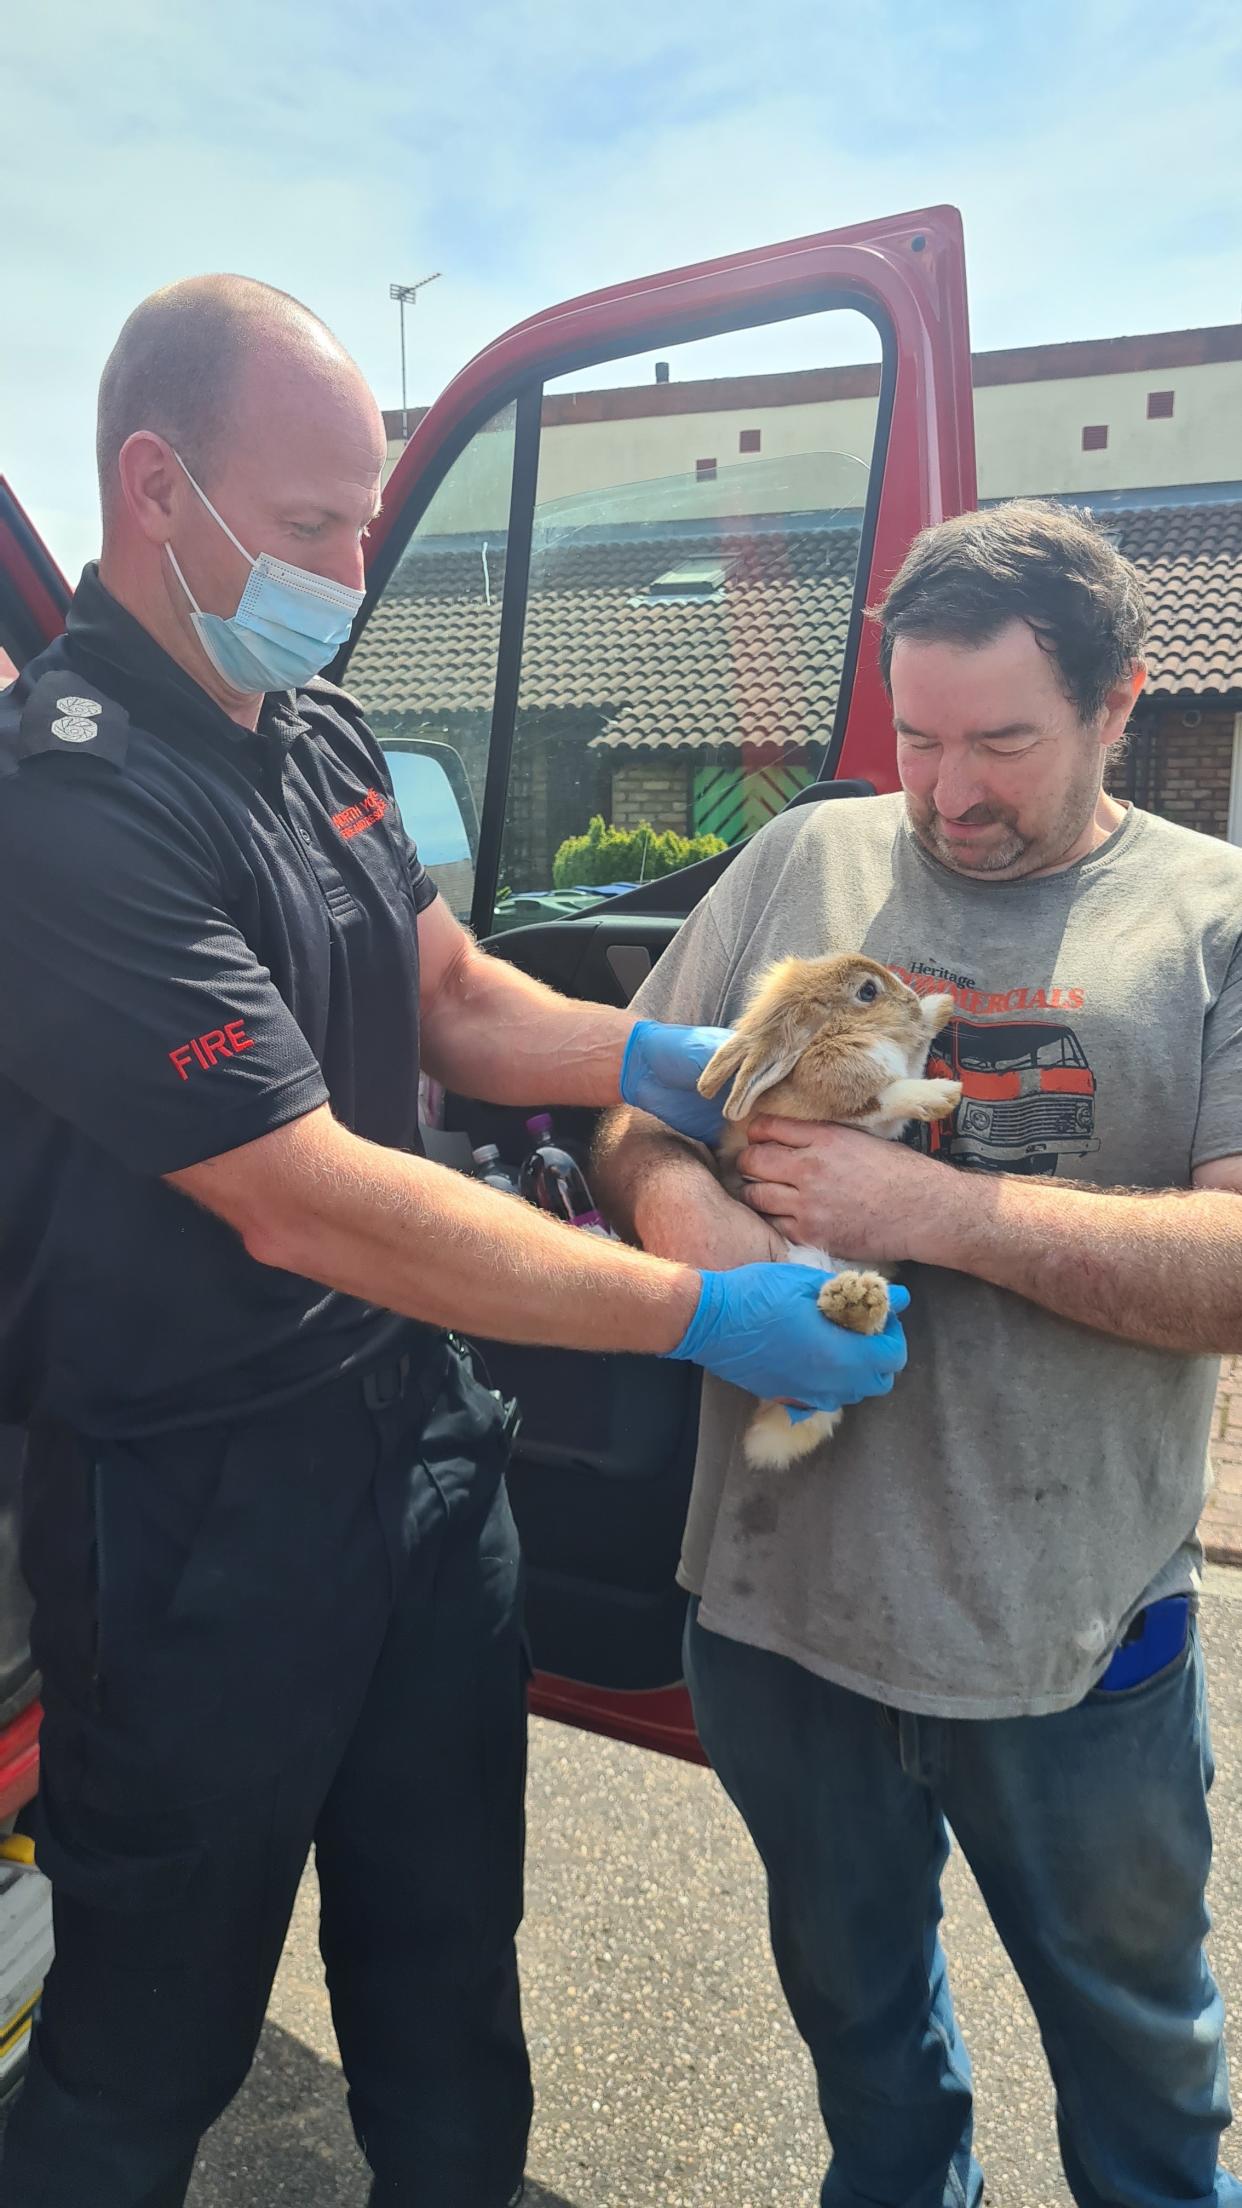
(1194, 767)
(1181, 772)
(651, 789)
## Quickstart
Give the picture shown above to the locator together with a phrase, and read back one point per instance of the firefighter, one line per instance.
(277, 1585)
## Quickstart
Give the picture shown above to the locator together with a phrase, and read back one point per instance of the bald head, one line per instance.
(186, 358)
(236, 386)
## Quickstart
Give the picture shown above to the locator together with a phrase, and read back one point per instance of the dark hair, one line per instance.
(1029, 560)
(176, 365)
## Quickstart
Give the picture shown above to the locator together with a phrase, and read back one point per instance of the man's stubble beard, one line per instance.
(1038, 851)
(996, 859)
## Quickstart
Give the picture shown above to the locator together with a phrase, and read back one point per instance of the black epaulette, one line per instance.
(61, 714)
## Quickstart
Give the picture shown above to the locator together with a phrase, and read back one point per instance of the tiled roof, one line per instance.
(1190, 559)
(759, 662)
(430, 643)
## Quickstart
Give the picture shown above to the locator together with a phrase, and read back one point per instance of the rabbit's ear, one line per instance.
(762, 1070)
(760, 1056)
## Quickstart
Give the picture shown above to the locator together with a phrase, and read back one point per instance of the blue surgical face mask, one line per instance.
(288, 622)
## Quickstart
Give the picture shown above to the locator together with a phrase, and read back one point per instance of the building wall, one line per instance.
(649, 788)
(834, 443)
(1184, 772)
(831, 445)
(1028, 439)
(1029, 435)
(1028, 429)
(1194, 769)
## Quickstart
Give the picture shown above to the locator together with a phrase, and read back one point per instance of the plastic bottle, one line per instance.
(555, 1182)
(492, 1171)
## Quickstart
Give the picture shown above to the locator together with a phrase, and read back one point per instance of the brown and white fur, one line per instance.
(838, 1039)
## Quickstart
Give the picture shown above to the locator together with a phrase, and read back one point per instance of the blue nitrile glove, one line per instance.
(762, 1329)
(660, 1070)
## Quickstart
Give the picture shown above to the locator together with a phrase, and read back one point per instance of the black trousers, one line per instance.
(301, 1629)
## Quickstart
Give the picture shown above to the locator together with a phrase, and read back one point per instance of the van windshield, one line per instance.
(1017, 1049)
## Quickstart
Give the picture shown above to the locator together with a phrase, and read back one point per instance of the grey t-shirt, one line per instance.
(973, 1544)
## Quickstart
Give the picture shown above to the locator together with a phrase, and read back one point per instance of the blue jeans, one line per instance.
(1088, 1834)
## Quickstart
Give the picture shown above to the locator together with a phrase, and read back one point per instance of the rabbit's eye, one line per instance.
(868, 992)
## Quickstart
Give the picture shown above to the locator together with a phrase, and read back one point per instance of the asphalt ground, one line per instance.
(667, 2072)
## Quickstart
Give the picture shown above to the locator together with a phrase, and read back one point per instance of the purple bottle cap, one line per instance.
(539, 1124)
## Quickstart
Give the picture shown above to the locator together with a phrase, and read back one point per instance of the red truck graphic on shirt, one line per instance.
(1028, 1095)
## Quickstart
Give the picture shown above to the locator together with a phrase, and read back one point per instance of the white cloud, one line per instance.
(540, 147)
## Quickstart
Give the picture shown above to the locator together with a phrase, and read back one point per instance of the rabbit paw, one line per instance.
(773, 1441)
(940, 1098)
(858, 1301)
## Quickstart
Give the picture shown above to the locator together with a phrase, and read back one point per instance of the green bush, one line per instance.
(639, 854)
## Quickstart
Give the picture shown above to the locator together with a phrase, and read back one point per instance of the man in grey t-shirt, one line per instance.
(975, 1605)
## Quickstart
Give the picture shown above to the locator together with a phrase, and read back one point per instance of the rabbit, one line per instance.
(839, 1039)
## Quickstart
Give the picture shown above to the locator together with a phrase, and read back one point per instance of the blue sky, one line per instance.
(532, 149)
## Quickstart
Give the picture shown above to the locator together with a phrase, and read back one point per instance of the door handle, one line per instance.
(631, 964)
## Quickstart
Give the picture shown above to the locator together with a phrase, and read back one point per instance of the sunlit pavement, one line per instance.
(667, 2071)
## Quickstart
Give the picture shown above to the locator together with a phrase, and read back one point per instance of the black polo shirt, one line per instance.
(204, 933)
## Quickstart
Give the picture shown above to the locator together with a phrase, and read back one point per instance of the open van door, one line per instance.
(606, 628)
(34, 595)
(33, 599)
